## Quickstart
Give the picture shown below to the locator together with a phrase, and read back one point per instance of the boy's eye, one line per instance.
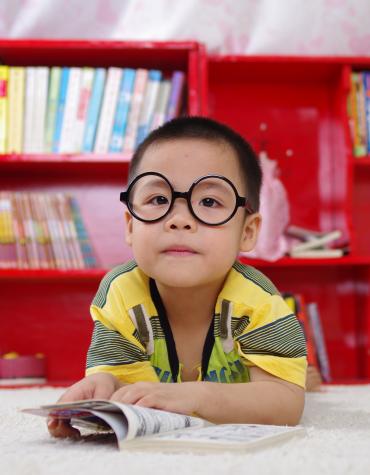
(209, 202)
(158, 200)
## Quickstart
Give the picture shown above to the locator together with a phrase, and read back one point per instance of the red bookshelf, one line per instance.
(48, 311)
(303, 103)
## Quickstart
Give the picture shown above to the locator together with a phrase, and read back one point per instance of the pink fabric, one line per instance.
(274, 208)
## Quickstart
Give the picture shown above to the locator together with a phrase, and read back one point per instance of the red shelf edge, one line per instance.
(64, 158)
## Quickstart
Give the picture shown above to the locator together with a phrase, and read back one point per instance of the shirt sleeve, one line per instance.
(115, 347)
(274, 341)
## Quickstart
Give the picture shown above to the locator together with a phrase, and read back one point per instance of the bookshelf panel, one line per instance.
(361, 210)
(50, 318)
(298, 103)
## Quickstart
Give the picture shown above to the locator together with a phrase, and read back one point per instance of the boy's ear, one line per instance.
(128, 233)
(251, 228)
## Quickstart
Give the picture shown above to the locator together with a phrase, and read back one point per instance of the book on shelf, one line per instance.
(84, 109)
(140, 428)
(147, 110)
(17, 81)
(93, 110)
(4, 78)
(43, 231)
(122, 110)
(358, 112)
(106, 118)
(134, 115)
(319, 339)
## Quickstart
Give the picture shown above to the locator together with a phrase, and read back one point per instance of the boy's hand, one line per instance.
(180, 397)
(96, 386)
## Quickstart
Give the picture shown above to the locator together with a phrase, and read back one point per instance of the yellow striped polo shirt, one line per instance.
(252, 326)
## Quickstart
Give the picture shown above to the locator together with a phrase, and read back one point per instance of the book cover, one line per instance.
(60, 108)
(360, 141)
(93, 110)
(17, 81)
(82, 107)
(136, 102)
(108, 109)
(122, 110)
(160, 108)
(67, 136)
(147, 109)
(4, 76)
(83, 239)
(29, 113)
(176, 95)
(39, 113)
(52, 106)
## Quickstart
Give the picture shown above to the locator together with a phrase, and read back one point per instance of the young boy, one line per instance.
(185, 311)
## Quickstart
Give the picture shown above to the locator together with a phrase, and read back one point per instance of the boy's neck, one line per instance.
(191, 305)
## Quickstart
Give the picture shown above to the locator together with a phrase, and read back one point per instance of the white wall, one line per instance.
(302, 27)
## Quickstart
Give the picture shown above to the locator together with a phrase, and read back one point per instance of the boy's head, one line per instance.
(196, 240)
(210, 130)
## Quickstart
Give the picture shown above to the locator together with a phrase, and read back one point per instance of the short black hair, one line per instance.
(207, 129)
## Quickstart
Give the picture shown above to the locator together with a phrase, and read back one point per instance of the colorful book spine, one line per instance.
(108, 109)
(52, 106)
(8, 256)
(147, 110)
(136, 103)
(82, 107)
(17, 81)
(39, 112)
(60, 109)
(93, 111)
(366, 79)
(29, 100)
(160, 108)
(175, 100)
(122, 110)
(318, 334)
(85, 246)
(4, 77)
(67, 143)
(358, 108)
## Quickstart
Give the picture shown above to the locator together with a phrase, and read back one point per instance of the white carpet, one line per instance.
(337, 442)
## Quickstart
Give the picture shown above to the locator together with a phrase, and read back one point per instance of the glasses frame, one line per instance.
(240, 201)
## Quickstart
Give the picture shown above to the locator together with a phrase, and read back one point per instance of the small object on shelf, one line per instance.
(18, 369)
(315, 243)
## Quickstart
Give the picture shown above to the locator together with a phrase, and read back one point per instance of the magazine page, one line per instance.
(217, 437)
(144, 421)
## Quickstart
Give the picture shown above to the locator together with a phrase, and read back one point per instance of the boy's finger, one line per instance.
(62, 428)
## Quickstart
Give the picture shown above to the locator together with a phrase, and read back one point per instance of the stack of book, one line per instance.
(84, 110)
(359, 113)
(307, 243)
(42, 231)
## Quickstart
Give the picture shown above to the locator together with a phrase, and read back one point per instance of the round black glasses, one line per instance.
(212, 199)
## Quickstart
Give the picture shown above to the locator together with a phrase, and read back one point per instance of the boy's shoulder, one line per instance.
(246, 276)
(126, 280)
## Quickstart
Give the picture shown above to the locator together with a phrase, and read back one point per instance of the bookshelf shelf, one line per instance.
(63, 158)
(363, 162)
(347, 261)
(47, 275)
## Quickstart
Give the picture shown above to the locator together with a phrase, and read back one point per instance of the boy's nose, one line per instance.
(180, 218)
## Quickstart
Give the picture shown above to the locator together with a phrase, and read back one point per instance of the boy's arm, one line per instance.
(264, 400)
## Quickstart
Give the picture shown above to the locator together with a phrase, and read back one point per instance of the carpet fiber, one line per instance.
(337, 442)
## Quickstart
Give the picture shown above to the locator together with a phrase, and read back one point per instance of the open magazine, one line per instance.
(143, 428)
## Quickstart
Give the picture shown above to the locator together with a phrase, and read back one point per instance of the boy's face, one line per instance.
(180, 251)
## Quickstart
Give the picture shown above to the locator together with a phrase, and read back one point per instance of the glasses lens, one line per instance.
(213, 200)
(150, 197)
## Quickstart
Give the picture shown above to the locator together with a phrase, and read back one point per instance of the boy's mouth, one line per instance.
(180, 251)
